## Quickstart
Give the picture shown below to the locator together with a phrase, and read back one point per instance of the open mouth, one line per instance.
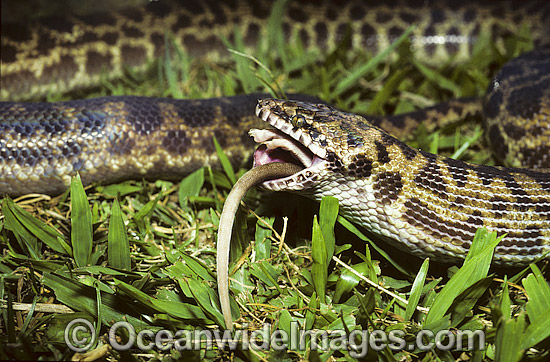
(286, 144)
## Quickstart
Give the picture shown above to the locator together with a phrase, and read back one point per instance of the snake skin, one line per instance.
(426, 204)
(111, 139)
(517, 118)
(71, 52)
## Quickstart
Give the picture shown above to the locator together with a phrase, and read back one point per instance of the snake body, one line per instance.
(424, 203)
(116, 138)
(68, 52)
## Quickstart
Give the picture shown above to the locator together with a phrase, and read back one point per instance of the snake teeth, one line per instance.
(275, 146)
(287, 129)
(287, 144)
(278, 141)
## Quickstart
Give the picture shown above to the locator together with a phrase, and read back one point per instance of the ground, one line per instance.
(147, 250)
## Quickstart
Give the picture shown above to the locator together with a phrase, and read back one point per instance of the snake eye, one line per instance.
(298, 121)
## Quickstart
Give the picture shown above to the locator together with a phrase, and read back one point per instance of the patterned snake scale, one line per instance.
(423, 203)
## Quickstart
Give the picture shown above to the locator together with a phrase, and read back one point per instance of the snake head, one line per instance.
(319, 137)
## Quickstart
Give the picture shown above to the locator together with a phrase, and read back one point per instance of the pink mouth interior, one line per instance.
(264, 155)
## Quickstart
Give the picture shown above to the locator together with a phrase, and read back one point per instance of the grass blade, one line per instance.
(538, 308)
(81, 223)
(507, 347)
(416, 289)
(117, 240)
(328, 213)
(347, 280)
(80, 297)
(190, 186)
(224, 160)
(360, 72)
(319, 269)
(353, 229)
(475, 268)
(19, 221)
(262, 246)
(176, 309)
(466, 301)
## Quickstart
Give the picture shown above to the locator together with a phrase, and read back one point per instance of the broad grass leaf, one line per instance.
(416, 289)
(118, 250)
(328, 213)
(319, 269)
(538, 308)
(25, 226)
(190, 186)
(176, 309)
(475, 268)
(224, 160)
(80, 297)
(81, 223)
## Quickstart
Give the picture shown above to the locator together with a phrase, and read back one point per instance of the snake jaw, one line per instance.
(288, 130)
(276, 146)
(290, 144)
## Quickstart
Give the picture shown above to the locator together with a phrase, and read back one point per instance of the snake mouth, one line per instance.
(285, 143)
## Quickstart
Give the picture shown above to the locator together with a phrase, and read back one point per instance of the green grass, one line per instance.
(144, 252)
